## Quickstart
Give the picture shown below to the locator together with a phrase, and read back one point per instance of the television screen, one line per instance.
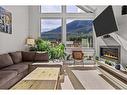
(105, 23)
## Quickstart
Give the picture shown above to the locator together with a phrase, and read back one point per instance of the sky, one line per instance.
(50, 9)
(49, 24)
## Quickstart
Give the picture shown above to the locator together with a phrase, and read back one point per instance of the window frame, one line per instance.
(51, 18)
(74, 12)
(50, 12)
(80, 19)
(64, 16)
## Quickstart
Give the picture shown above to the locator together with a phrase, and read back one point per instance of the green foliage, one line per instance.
(75, 38)
(126, 66)
(43, 45)
(96, 57)
(108, 62)
(57, 52)
(54, 52)
(32, 48)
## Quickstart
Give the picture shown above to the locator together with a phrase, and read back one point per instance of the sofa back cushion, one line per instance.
(16, 56)
(5, 60)
(28, 56)
(41, 57)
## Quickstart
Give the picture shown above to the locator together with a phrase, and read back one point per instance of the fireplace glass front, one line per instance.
(110, 52)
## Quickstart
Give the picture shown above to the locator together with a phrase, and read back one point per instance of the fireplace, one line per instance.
(110, 52)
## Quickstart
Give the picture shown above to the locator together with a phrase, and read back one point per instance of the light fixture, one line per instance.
(30, 41)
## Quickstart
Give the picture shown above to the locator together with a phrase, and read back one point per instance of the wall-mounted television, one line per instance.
(105, 23)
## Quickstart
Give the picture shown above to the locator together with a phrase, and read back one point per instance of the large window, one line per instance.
(51, 29)
(80, 32)
(51, 9)
(65, 26)
(73, 9)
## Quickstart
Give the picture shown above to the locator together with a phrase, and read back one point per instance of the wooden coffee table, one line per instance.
(40, 78)
(49, 64)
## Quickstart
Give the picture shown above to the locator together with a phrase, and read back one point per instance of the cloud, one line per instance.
(49, 24)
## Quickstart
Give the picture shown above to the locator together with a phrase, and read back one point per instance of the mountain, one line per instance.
(77, 26)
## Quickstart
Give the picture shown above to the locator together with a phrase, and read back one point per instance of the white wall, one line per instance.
(122, 25)
(34, 21)
(16, 40)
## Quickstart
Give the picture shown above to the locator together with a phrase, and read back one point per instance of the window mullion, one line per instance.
(64, 24)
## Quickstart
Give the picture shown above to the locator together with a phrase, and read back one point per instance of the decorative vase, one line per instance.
(117, 66)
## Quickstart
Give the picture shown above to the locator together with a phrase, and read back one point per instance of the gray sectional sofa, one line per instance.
(14, 66)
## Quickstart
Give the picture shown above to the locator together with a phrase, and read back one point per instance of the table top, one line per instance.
(50, 62)
(43, 74)
(40, 78)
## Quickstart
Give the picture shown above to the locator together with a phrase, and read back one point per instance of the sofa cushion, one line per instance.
(16, 57)
(17, 67)
(5, 60)
(28, 56)
(41, 57)
(5, 76)
(26, 63)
